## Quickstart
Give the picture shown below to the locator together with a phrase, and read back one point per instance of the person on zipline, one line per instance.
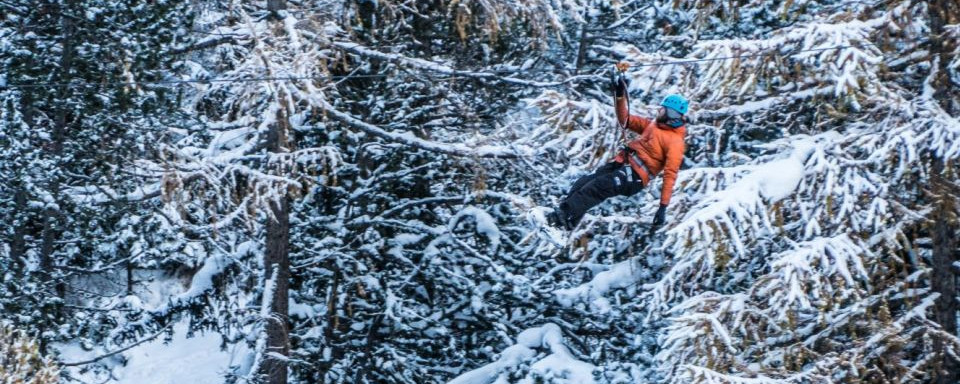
(658, 148)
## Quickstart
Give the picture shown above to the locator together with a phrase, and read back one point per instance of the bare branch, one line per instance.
(121, 350)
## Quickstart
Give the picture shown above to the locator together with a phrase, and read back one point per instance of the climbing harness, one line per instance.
(636, 159)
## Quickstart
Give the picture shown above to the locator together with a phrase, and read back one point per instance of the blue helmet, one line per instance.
(676, 102)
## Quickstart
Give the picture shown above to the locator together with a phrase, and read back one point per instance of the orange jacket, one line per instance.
(660, 148)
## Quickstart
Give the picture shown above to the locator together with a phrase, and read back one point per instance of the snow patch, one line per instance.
(184, 359)
(559, 364)
(203, 280)
(486, 225)
(620, 275)
(778, 179)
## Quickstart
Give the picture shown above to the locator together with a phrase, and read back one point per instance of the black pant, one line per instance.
(610, 180)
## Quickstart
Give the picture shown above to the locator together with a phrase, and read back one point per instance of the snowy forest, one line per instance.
(340, 191)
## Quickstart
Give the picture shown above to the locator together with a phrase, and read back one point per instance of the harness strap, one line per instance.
(636, 159)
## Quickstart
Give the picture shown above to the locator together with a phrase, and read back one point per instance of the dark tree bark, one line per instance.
(944, 229)
(944, 282)
(582, 49)
(943, 13)
(55, 147)
(18, 247)
(276, 262)
(943, 278)
(130, 282)
(52, 216)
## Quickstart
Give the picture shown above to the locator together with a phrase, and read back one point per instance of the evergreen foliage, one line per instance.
(343, 187)
(69, 134)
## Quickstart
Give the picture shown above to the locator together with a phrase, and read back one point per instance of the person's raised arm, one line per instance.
(625, 119)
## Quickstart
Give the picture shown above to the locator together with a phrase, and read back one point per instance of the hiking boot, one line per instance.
(556, 220)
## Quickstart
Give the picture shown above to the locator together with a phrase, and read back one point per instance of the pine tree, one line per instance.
(69, 131)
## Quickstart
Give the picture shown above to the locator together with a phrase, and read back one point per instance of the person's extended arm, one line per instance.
(624, 118)
(632, 122)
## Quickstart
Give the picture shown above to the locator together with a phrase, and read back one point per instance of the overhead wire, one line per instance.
(464, 74)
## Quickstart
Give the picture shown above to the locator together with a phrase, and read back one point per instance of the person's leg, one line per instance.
(620, 180)
(604, 169)
(559, 217)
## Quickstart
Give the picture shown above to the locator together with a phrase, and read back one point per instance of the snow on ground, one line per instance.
(196, 359)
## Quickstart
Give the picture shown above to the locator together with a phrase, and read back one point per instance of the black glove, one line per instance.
(660, 217)
(619, 83)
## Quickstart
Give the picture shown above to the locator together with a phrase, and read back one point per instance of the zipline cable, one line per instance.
(445, 75)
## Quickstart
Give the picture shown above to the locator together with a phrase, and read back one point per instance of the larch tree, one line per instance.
(346, 187)
(22, 361)
(325, 148)
(800, 249)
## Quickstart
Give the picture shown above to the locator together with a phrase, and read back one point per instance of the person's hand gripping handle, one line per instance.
(618, 79)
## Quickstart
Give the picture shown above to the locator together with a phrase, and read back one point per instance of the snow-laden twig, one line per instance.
(408, 138)
(558, 362)
(446, 70)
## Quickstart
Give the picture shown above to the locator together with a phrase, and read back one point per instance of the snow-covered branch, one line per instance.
(444, 69)
(554, 362)
(408, 138)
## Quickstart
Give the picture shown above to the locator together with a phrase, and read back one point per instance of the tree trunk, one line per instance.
(582, 49)
(942, 13)
(276, 262)
(54, 149)
(944, 230)
(943, 279)
(130, 277)
(18, 247)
